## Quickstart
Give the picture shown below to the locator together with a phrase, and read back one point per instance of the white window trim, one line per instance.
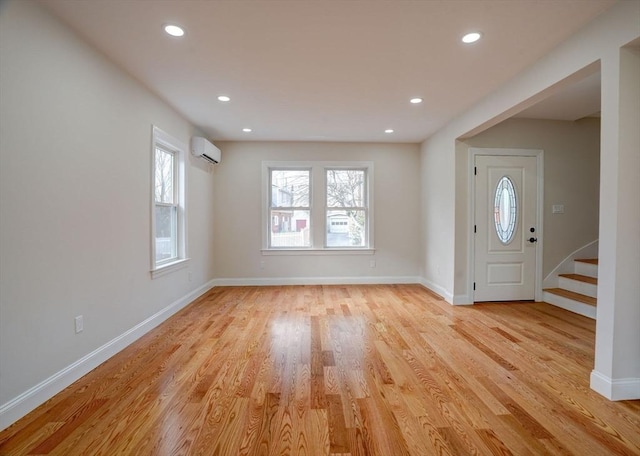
(318, 208)
(166, 141)
(168, 268)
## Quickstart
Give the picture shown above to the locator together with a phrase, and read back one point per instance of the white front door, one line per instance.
(505, 227)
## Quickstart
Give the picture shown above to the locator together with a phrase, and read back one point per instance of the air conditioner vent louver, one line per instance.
(210, 159)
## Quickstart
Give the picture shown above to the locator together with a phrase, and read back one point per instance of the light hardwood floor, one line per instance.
(351, 370)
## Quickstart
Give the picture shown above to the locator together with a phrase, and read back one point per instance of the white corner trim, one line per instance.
(462, 300)
(22, 404)
(622, 389)
(274, 281)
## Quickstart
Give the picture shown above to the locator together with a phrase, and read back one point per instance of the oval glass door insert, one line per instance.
(505, 210)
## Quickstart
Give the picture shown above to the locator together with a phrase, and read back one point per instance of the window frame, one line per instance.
(364, 208)
(280, 220)
(173, 204)
(163, 141)
(318, 208)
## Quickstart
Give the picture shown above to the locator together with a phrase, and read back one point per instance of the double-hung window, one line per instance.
(168, 200)
(317, 206)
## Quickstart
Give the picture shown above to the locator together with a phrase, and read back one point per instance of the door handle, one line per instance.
(532, 240)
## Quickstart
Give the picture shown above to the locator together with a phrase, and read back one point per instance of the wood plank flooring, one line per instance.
(341, 370)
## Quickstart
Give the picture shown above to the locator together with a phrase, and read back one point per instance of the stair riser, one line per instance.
(578, 287)
(590, 270)
(571, 305)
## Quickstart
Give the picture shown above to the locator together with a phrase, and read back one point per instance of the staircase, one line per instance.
(576, 292)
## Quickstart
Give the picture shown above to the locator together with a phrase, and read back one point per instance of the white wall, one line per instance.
(239, 202)
(438, 196)
(75, 156)
(571, 174)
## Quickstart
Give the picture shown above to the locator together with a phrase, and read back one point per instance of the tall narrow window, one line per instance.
(346, 209)
(168, 204)
(289, 208)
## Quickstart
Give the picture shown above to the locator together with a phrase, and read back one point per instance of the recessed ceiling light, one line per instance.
(247, 130)
(224, 98)
(471, 37)
(174, 30)
(416, 100)
(389, 130)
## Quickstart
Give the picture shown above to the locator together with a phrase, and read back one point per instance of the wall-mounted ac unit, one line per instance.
(200, 147)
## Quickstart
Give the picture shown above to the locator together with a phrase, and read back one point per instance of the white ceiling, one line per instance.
(325, 70)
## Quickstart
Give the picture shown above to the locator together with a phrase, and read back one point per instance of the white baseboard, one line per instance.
(274, 281)
(16, 408)
(438, 290)
(623, 389)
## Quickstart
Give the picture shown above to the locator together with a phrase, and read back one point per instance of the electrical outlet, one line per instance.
(372, 263)
(557, 209)
(79, 321)
(190, 274)
(261, 264)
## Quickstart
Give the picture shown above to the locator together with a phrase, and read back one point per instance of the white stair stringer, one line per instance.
(568, 265)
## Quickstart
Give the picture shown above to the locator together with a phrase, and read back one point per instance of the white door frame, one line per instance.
(471, 252)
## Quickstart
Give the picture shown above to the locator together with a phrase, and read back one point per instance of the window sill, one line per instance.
(169, 268)
(327, 251)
